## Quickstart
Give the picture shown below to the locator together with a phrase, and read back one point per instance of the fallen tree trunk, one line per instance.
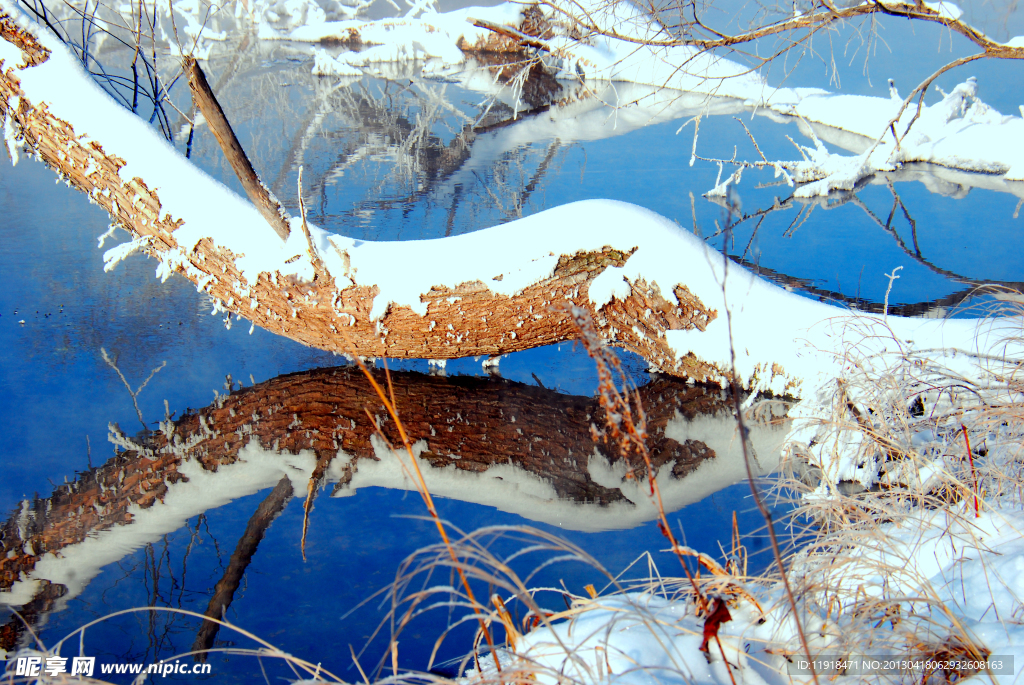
(649, 286)
(460, 319)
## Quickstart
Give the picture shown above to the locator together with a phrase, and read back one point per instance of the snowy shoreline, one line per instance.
(958, 132)
(916, 562)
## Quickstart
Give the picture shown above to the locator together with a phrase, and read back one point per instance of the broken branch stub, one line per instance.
(207, 103)
(521, 39)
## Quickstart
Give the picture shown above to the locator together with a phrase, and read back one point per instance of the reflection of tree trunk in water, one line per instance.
(224, 591)
(466, 423)
(291, 157)
(363, 112)
(538, 175)
(29, 616)
(471, 423)
(449, 224)
(897, 201)
(916, 254)
(436, 161)
(861, 304)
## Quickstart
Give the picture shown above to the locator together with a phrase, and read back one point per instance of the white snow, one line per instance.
(959, 131)
(10, 135)
(634, 638)
(945, 9)
(521, 252)
(955, 573)
(973, 570)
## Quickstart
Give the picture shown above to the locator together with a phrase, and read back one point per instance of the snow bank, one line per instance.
(972, 570)
(960, 131)
(903, 571)
(440, 35)
(634, 638)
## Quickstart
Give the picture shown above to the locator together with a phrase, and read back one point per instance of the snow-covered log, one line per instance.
(308, 290)
(650, 286)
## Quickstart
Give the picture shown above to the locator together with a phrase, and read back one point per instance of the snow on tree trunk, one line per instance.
(649, 286)
(460, 320)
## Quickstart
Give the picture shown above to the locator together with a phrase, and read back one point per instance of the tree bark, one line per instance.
(13, 632)
(465, 320)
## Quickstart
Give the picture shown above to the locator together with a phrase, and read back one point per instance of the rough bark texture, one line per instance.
(33, 52)
(473, 423)
(12, 633)
(258, 194)
(466, 320)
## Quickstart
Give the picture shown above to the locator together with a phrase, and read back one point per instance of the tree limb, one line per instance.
(258, 194)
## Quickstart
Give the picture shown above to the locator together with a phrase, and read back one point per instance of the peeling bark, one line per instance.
(466, 320)
(34, 52)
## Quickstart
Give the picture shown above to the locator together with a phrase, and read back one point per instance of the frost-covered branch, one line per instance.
(593, 19)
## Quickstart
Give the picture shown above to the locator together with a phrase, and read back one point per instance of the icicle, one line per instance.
(10, 135)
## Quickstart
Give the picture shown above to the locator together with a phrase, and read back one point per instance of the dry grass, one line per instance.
(303, 671)
(907, 455)
(911, 455)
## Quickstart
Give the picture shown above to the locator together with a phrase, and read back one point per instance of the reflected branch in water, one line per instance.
(224, 591)
(413, 138)
(112, 363)
(839, 199)
(897, 200)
